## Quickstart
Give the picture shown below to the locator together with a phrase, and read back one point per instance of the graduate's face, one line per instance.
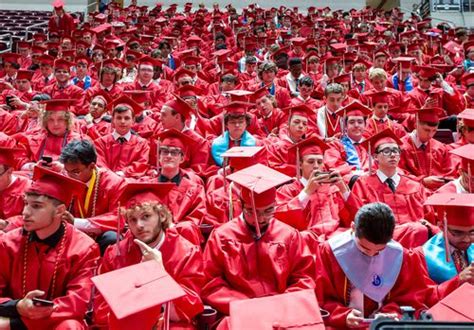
(122, 121)
(5, 177)
(467, 181)
(236, 127)
(57, 123)
(310, 164)
(264, 214)
(297, 127)
(145, 73)
(381, 109)
(264, 105)
(380, 62)
(355, 127)
(368, 248)
(268, 76)
(333, 101)
(170, 157)
(168, 119)
(97, 107)
(40, 213)
(387, 162)
(62, 75)
(461, 237)
(144, 224)
(79, 171)
(379, 83)
(425, 132)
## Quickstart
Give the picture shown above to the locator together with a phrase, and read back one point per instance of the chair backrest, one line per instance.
(444, 135)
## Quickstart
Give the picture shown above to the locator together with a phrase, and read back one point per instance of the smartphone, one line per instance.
(321, 173)
(38, 302)
(48, 160)
(367, 321)
(446, 180)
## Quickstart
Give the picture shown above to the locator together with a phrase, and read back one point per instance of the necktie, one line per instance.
(121, 140)
(459, 260)
(46, 80)
(391, 184)
(382, 121)
(423, 147)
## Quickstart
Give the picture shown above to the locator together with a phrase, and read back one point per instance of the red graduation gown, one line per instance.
(434, 160)
(69, 92)
(374, 126)
(453, 104)
(75, 268)
(238, 267)
(181, 259)
(131, 157)
(157, 94)
(323, 214)
(114, 92)
(335, 158)
(12, 198)
(332, 288)
(278, 156)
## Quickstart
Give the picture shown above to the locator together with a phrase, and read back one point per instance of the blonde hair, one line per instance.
(377, 73)
(47, 114)
(164, 214)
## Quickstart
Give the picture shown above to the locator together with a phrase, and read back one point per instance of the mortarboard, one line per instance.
(52, 184)
(311, 146)
(8, 156)
(62, 64)
(139, 96)
(355, 108)
(468, 79)
(298, 309)
(135, 294)
(454, 307)
(174, 138)
(180, 106)
(385, 136)
(466, 152)
(126, 101)
(57, 104)
(137, 193)
(378, 97)
(243, 157)
(189, 90)
(300, 109)
(467, 117)
(430, 115)
(10, 57)
(46, 60)
(24, 74)
(239, 95)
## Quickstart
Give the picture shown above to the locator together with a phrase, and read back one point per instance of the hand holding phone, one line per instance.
(38, 302)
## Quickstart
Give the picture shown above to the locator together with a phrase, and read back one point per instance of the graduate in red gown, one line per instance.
(380, 103)
(46, 259)
(12, 188)
(314, 201)
(97, 122)
(255, 255)
(468, 97)
(423, 157)
(61, 22)
(64, 89)
(95, 213)
(448, 256)
(56, 132)
(19, 97)
(46, 77)
(270, 119)
(152, 237)
(387, 184)
(465, 130)
(353, 281)
(122, 152)
(464, 183)
(329, 123)
(108, 76)
(295, 132)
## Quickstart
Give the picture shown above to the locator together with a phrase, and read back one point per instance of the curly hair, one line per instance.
(163, 212)
(47, 114)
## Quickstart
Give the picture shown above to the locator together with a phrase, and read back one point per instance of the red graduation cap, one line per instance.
(259, 93)
(385, 136)
(240, 95)
(137, 193)
(431, 115)
(23, 44)
(189, 90)
(455, 306)
(355, 108)
(260, 182)
(175, 138)
(10, 57)
(58, 4)
(46, 60)
(298, 309)
(343, 78)
(404, 62)
(243, 157)
(62, 64)
(57, 104)
(135, 294)
(83, 59)
(468, 79)
(425, 71)
(24, 74)
(300, 109)
(138, 96)
(182, 72)
(8, 156)
(126, 101)
(40, 37)
(379, 97)
(52, 184)
(467, 117)
(466, 152)
(311, 146)
(180, 106)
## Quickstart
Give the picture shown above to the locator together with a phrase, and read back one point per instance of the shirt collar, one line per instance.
(416, 140)
(52, 240)
(383, 177)
(127, 136)
(459, 188)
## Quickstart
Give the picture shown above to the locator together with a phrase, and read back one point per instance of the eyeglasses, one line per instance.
(236, 122)
(389, 151)
(172, 152)
(98, 104)
(265, 213)
(461, 234)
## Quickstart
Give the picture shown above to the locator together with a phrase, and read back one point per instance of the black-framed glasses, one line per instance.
(461, 234)
(168, 151)
(389, 151)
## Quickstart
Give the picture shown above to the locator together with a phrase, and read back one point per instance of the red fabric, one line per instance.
(330, 289)
(181, 259)
(238, 267)
(335, 158)
(12, 197)
(374, 126)
(63, 25)
(73, 286)
(130, 157)
(79, 107)
(452, 104)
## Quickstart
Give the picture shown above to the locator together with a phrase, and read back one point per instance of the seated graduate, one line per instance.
(151, 234)
(255, 255)
(449, 256)
(354, 282)
(47, 259)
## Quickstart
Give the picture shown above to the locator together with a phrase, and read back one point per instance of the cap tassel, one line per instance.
(370, 159)
(254, 210)
(166, 316)
(118, 229)
(158, 142)
(231, 202)
(298, 163)
(469, 176)
(445, 232)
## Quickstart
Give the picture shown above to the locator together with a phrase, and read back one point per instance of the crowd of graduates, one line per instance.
(323, 157)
